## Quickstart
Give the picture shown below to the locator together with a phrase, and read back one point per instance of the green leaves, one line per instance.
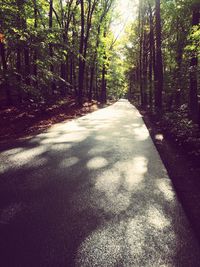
(194, 40)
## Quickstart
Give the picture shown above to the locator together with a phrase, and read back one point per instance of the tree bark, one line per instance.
(103, 79)
(159, 62)
(92, 69)
(18, 67)
(144, 68)
(5, 68)
(193, 94)
(151, 45)
(141, 30)
(81, 59)
(27, 65)
(53, 86)
(35, 56)
(103, 86)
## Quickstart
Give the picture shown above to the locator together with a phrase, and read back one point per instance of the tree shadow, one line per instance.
(92, 192)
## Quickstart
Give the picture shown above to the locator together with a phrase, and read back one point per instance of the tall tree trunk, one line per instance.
(35, 56)
(74, 62)
(53, 86)
(92, 72)
(4, 65)
(159, 63)
(141, 30)
(92, 69)
(21, 24)
(87, 79)
(63, 70)
(103, 86)
(27, 65)
(84, 40)
(18, 67)
(75, 79)
(26, 56)
(71, 69)
(103, 79)
(96, 84)
(63, 76)
(193, 94)
(151, 45)
(81, 59)
(144, 68)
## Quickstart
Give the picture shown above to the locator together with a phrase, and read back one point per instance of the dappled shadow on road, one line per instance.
(89, 193)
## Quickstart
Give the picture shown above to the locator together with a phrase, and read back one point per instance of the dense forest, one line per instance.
(163, 51)
(121, 185)
(66, 47)
(53, 49)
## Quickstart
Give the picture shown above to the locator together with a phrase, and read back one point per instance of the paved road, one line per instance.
(92, 192)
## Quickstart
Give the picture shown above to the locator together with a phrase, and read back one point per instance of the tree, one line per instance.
(159, 63)
(193, 94)
(6, 85)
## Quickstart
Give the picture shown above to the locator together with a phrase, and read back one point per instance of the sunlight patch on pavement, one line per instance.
(116, 133)
(64, 132)
(12, 151)
(124, 243)
(28, 154)
(101, 123)
(141, 133)
(97, 163)
(113, 201)
(20, 157)
(157, 219)
(100, 248)
(135, 235)
(147, 244)
(135, 125)
(105, 114)
(61, 146)
(165, 187)
(118, 183)
(48, 134)
(134, 171)
(108, 181)
(66, 126)
(69, 137)
(101, 137)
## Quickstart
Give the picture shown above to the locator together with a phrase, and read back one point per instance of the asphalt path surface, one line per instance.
(92, 192)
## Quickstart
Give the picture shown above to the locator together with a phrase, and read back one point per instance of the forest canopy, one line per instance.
(162, 51)
(53, 49)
